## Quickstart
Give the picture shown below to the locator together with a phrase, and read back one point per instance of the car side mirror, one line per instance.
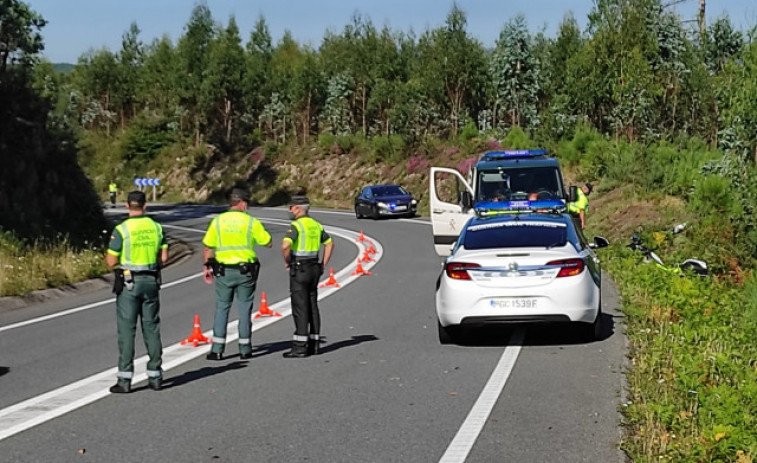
(466, 200)
(572, 194)
(599, 242)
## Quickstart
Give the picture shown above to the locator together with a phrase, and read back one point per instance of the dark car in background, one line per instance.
(378, 201)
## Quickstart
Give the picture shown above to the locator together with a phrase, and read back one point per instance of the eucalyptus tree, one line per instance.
(515, 73)
(257, 82)
(160, 80)
(452, 68)
(722, 42)
(193, 54)
(97, 78)
(283, 68)
(20, 38)
(130, 61)
(221, 89)
(306, 93)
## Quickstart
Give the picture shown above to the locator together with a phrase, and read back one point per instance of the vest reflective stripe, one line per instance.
(297, 337)
(308, 237)
(154, 373)
(243, 341)
(219, 340)
(125, 374)
(231, 249)
(140, 254)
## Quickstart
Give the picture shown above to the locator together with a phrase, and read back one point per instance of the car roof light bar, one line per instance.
(492, 208)
(513, 154)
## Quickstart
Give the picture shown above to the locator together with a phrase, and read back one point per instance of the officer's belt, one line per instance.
(305, 260)
(237, 266)
(151, 273)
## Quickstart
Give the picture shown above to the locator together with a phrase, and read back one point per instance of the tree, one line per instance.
(723, 42)
(130, 65)
(256, 78)
(20, 38)
(515, 73)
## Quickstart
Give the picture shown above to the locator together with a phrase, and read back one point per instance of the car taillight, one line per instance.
(569, 267)
(459, 270)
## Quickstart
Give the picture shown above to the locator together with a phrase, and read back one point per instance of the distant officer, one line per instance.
(578, 208)
(231, 237)
(138, 247)
(300, 249)
(113, 190)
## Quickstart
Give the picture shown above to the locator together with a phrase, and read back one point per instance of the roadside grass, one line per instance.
(26, 267)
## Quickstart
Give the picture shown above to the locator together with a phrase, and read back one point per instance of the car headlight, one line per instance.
(384, 205)
(413, 202)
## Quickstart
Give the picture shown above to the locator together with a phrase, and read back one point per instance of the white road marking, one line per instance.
(45, 407)
(466, 436)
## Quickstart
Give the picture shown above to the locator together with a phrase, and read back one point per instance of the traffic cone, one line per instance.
(197, 337)
(361, 237)
(264, 310)
(360, 270)
(366, 257)
(331, 281)
(371, 249)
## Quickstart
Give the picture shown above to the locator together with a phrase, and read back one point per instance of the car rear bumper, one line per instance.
(462, 302)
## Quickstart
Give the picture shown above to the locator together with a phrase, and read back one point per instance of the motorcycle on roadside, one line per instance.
(694, 266)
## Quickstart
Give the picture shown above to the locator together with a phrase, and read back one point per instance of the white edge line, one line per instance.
(31, 412)
(466, 436)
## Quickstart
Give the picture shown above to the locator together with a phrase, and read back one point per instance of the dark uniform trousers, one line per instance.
(303, 283)
(141, 302)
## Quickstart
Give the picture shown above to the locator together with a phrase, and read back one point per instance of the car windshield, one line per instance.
(519, 184)
(388, 190)
(515, 234)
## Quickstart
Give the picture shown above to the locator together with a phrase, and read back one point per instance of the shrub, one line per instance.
(517, 139)
(145, 139)
(416, 164)
(469, 131)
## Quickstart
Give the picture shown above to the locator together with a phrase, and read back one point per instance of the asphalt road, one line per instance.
(383, 389)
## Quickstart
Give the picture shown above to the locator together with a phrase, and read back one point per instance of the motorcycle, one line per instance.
(696, 266)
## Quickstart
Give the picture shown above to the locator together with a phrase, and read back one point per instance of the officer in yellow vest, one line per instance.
(230, 257)
(113, 191)
(579, 208)
(138, 247)
(300, 249)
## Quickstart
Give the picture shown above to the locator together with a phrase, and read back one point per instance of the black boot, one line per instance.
(299, 350)
(314, 346)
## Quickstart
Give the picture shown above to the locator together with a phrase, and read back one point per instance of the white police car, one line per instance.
(512, 264)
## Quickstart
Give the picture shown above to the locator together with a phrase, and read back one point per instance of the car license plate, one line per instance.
(514, 303)
(400, 208)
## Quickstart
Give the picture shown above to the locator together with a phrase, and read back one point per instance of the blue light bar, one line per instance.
(489, 208)
(513, 154)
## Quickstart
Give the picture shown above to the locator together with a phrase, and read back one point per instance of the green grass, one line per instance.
(28, 267)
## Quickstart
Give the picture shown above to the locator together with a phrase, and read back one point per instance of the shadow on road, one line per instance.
(204, 372)
(273, 347)
(537, 334)
(4, 370)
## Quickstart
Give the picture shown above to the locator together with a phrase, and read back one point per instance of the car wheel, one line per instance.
(357, 214)
(449, 334)
(593, 331)
(375, 213)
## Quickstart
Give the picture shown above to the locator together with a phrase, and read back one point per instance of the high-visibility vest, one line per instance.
(142, 239)
(233, 235)
(112, 188)
(309, 233)
(581, 204)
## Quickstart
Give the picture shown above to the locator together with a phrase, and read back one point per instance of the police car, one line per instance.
(520, 261)
(509, 175)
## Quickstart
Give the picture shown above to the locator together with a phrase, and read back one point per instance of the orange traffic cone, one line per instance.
(265, 311)
(371, 249)
(331, 281)
(197, 337)
(366, 257)
(361, 237)
(360, 270)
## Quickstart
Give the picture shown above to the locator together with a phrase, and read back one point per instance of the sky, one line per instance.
(76, 26)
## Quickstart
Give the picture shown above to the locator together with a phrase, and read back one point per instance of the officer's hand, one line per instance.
(207, 276)
(286, 265)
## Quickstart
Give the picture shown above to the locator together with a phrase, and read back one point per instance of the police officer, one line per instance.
(113, 190)
(138, 247)
(578, 208)
(300, 249)
(231, 237)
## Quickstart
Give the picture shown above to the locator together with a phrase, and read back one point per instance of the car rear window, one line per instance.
(515, 234)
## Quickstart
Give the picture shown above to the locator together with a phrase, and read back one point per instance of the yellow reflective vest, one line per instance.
(233, 235)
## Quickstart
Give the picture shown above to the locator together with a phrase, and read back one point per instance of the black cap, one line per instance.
(136, 197)
(590, 187)
(240, 194)
(299, 200)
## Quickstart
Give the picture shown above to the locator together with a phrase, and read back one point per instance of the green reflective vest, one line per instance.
(142, 239)
(309, 233)
(581, 204)
(233, 235)
(112, 188)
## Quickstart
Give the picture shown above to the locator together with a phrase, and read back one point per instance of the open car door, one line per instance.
(449, 210)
